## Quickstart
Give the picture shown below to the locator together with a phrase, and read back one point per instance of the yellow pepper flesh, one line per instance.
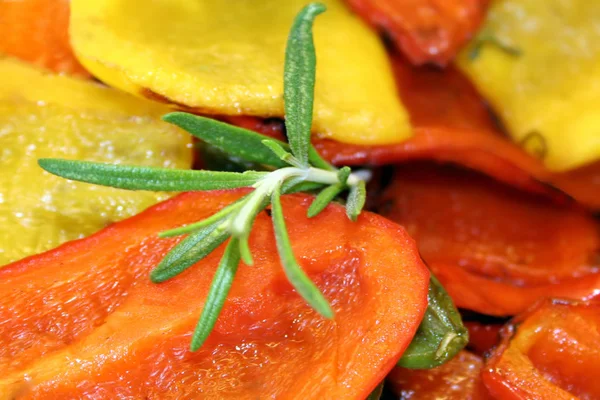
(548, 95)
(43, 115)
(226, 58)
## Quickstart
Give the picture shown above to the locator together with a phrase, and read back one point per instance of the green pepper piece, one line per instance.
(441, 334)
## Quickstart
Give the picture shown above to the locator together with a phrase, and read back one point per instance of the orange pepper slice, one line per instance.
(85, 320)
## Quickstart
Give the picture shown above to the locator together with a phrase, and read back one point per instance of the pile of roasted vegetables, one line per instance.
(248, 199)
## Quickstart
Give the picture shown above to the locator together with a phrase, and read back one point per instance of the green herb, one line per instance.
(298, 167)
(485, 37)
(441, 334)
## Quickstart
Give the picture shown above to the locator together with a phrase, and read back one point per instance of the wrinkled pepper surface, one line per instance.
(47, 115)
(550, 352)
(495, 249)
(85, 320)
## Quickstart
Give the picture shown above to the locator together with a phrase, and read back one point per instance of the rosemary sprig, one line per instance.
(297, 167)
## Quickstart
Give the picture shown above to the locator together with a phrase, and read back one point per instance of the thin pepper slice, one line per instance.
(47, 115)
(92, 300)
(459, 379)
(495, 249)
(550, 352)
(37, 31)
(426, 31)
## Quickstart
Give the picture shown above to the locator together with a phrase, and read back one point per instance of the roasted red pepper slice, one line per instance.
(458, 379)
(495, 249)
(550, 352)
(85, 320)
(37, 31)
(427, 31)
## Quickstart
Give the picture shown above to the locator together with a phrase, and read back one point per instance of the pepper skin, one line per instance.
(84, 319)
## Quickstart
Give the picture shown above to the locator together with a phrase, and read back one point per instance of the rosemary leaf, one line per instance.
(245, 252)
(356, 200)
(189, 251)
(217, 294)
(325, 197)
(299, 81)
(148, 178)
(235, 141)
(299, 280)
(281, 153)
(218, 216)
(344, 174)
(241, 224)
(298, 184)
(238, 142)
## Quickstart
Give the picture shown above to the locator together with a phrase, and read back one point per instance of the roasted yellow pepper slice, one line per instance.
(226, 58)
(43, 115)
(548, 95)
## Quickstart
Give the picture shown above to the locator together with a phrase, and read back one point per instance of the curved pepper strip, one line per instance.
(550, 352)
(427, 31)
(459, 379)
(37, 31)
(495, 249)
(92, 299)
